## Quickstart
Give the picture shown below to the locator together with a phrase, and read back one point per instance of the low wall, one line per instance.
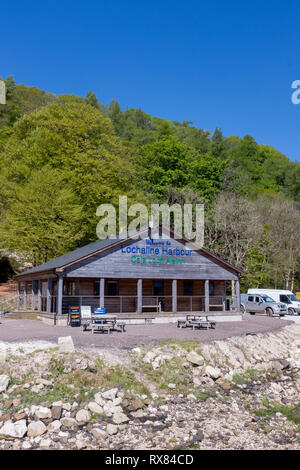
(142, 319)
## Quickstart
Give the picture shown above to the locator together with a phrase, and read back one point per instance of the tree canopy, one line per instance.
(62, 156)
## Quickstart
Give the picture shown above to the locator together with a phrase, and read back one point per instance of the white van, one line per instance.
(285, 296)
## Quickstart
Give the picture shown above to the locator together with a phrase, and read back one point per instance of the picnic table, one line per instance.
(196, 320)
(103, 323)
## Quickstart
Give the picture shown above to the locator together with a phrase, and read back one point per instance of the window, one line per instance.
(97, 288)
(211, 288)
(284, 299)
(257, 299)
(112, 288)
(158, 288)
(70, 288)
(188, 288)
(250, 298)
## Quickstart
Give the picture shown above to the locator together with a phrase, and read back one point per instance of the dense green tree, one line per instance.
(42, 219)
(77, 140)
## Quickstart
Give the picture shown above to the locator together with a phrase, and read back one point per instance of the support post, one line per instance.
(238, 295)
(206, 293)
(39, 295)
(174, 295)
(139, 296)
(18, 295)
(49, 292)
(32, 295)
(102, 292)
(60, 282)
(25, 294)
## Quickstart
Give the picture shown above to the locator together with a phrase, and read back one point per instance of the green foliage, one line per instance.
(41, 220)
(92, 153)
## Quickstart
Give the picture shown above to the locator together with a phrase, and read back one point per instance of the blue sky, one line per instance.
(228, 64)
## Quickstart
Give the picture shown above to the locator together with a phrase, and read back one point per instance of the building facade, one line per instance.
(134, 275)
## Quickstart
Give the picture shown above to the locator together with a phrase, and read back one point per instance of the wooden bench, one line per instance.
(151, 303)
(222, 306)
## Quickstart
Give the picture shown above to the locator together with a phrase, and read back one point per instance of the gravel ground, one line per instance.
(136, 335)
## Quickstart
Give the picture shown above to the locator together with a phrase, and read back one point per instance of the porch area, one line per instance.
(126, 296)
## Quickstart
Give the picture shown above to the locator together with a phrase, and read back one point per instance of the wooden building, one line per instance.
(136, 275)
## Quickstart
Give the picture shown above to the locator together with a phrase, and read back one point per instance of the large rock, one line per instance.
(13, 430)
(195, 358)
(119, 418)
(95, 408)
(54, 426)
(56, 412)
(213, 372)
(42, 412)
(98, 433)
(4, 381)
(98, 399)
(36, 428)
(82, 416)
(110, 394)
(69, 422)
(111, 429)
(65, 344)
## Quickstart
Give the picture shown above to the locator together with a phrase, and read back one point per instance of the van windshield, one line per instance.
(293, 298)
(267, 299)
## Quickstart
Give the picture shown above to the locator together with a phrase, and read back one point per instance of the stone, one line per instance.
(171, 385)
(69, 422)
(149, 357)
(26, 445)
(2, 353)
(4, 381)
(110, 394)
(213, 372)
(192, 397)
(111, 429)
(36, 428)
(224, 384)
(98, 399)
(67, 406)
(98, 433)
(95, 408)
(45, 443)
(65, 344)
(157, 362)
(19, 416)
(54, 426)
(12, 430)
(195, 358)
(80, 444)
(136, 405)
(119, 418)
(42, 412)
(56, 412)
(82, 416)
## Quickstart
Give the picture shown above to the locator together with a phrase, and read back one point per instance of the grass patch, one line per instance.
(292, 413)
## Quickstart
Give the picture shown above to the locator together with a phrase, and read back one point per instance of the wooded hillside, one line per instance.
(62, 156)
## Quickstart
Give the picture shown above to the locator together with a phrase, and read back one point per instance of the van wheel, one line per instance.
(242, 309)
(269, 312)
(291, 311)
